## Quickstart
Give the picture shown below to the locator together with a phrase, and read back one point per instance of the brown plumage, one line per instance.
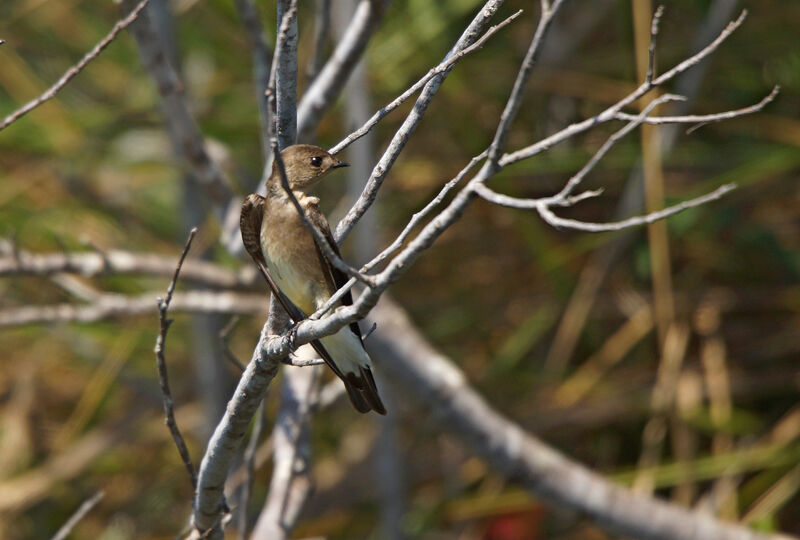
(298, 271)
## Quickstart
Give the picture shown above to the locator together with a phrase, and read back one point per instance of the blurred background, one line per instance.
(666, 359)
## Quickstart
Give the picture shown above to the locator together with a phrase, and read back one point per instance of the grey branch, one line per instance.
(74, 519)
(186, 137)
(111, 305)
(209, 505)
(161, 362)
(322, 27)
(444, 66)
(285, 77)
(703, 119)
(611, 112)
(331, 80)
(515, 99)
(290, 484)
(547, 214)
(262, 63)
(456, 407)
(398, 142)
(223, 445)
(92, 264)
(51, 92)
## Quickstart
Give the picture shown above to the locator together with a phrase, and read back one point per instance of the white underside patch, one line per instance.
(346, 350)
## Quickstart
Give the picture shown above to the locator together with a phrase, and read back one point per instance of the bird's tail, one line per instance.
(363, 392)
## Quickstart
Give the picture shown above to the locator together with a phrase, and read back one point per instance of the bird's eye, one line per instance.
(316, 161)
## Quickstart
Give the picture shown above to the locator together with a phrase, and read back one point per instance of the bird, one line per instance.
(296, 268)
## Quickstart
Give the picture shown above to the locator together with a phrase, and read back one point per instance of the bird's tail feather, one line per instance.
(363, 392)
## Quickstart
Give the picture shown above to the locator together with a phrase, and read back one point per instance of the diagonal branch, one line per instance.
(398, 142)
(455, 406)
(443, 67)
(77, 68)
(187, 140)
(327, 86)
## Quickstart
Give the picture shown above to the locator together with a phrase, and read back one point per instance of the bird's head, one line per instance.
(306, 165)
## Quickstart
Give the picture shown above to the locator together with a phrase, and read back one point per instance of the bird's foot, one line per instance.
(291, 333)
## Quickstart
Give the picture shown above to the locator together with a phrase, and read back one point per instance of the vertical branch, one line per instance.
(169, 409)
(322, 28)
(286, 76)
(291, 477)
(262, 63)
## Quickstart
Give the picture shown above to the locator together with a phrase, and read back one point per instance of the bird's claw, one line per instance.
(291, 333)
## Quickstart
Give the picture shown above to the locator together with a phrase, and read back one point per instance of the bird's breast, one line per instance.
(292, 258)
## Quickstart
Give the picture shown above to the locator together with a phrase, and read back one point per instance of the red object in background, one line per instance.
(525, 525)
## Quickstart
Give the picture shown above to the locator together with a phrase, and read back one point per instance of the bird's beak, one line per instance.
(339, 164)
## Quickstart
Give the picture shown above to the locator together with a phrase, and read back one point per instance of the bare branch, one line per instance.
(161, 362)
(651, 50)
(231, 429)
(110, 305)
(262, 65)
(209, 502)
(703, 119)
(77, 68)
(562, 198)
(79, 514)
(25, 263)
(331, 80)
(187, 140)
(456, 407)
(290, 484)
(448, 63)
(611, 112)
(515, 99)
(322, 27)
(416, 219)
(285, 81)
(468, 37)
(548, 215)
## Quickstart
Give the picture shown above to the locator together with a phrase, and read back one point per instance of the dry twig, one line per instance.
(169, 409)
(51, 92)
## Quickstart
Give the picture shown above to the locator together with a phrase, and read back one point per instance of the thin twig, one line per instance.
(169, 410)
(563, 197)
(322, 27)
(261, 56)
(651, 50)
(400, 138)
(415, 220)
(514, 100)
(330, 82)
(249, 459)
(612, 111)
(79, 514)
(226, 348)
(77, 68)
(547, 214)
(703, 119)
(449, 62)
